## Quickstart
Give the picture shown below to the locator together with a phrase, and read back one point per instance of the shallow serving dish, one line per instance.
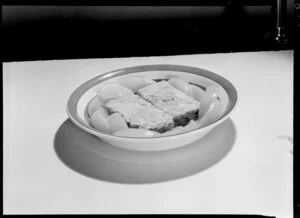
(79, 99)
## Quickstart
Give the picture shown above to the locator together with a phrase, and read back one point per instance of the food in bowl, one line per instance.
(172, 101)
(138, 106)
(216, 95)
(140, 114)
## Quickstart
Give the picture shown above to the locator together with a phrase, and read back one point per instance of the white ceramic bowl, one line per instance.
(77, 104)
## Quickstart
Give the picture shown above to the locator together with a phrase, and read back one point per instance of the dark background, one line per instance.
(42, 32)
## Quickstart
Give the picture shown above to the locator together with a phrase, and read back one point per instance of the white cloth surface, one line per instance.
(256, 177)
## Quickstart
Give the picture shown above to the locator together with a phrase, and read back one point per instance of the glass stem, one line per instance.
(278, 14)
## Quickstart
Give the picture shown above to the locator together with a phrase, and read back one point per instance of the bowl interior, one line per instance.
(84, 94)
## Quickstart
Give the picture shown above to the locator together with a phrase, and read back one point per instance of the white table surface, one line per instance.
(255, 177)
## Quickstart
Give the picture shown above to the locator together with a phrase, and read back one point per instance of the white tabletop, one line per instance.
(255, 177)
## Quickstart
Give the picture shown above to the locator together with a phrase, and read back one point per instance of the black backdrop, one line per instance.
(66, 32)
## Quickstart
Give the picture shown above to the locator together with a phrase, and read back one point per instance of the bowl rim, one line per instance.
(79, 91)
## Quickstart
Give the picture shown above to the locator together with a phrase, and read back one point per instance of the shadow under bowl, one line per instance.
(94, 158)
